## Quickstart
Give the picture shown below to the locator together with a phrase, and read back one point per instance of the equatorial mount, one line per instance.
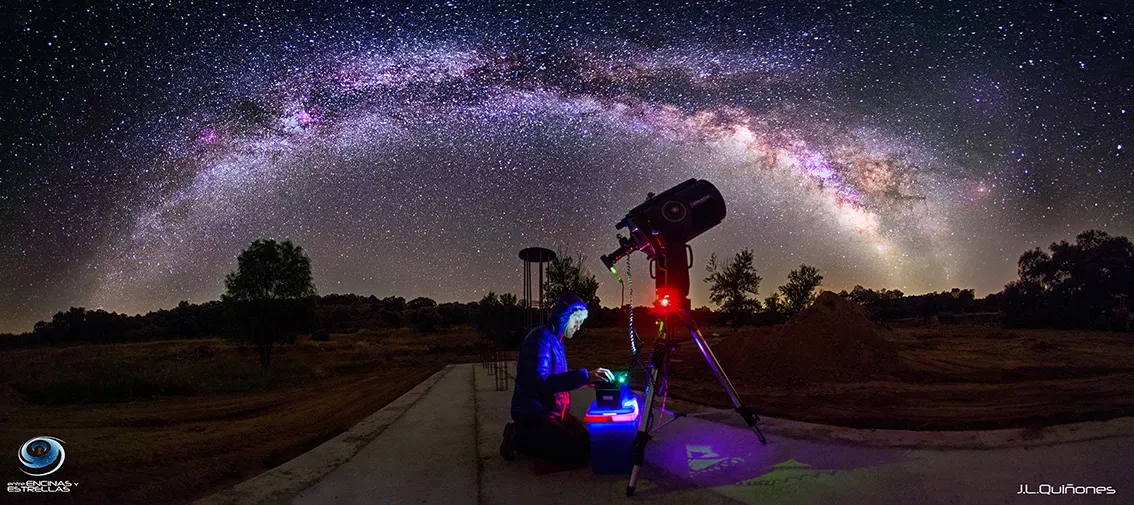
(662, 228)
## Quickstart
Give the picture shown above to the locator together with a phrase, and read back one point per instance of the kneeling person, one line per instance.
(543, 427)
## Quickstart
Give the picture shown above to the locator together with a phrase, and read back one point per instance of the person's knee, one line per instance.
(528, 439)
(577, 453)
(580, 458)
(570, 458)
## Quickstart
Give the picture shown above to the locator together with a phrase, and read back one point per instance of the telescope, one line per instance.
(662, 227)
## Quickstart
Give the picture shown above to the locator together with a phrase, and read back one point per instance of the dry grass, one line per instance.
(201, 417)
(948, 377)
(174, 449)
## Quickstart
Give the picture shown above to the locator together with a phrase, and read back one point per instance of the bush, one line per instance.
(502, 319)
(392, 318)
(426, 319)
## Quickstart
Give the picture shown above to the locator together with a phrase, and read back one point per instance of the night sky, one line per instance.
(413, 150)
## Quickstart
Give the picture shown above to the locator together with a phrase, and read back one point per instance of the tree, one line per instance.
(773, 312)
(421, 302)
(424, 315)
(271, 294)
(1076, 284)
(501, 319)
(393, 310)
(734, 287)
(563, 274)
(774, 304)
(799, 291)
(426, 319)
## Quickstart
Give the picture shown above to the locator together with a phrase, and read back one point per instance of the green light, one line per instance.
(613, 271)
(622, 378)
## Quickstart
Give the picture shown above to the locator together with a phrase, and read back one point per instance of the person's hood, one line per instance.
(566, 304)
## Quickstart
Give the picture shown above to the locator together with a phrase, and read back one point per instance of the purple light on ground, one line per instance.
(700, 454)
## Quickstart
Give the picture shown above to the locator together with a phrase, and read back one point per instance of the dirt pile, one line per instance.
(833, 339)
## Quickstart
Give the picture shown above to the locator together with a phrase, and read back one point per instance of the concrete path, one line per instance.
(426, 456)
(693, 460)
(443, 448)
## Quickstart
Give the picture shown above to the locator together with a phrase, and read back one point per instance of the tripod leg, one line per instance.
(749, 415)
(645, 417)
(750, 418)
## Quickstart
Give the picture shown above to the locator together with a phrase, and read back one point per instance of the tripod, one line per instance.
(673, 302)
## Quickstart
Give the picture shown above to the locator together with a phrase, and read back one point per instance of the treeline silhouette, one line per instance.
(502, 318)
(336, 313)
(889, 305)
(1086, 284)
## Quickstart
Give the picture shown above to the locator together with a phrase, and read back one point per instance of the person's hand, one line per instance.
(601, 375)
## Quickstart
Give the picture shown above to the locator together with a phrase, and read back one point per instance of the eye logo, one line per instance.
(41, 456)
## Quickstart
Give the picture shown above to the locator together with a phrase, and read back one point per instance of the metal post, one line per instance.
(541, 314)
(534, 309)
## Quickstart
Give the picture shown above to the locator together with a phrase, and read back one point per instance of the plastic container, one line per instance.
(612, 436)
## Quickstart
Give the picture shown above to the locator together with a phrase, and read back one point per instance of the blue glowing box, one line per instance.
(612, 435)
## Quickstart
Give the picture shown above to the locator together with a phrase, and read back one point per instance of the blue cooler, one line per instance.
(612, 435)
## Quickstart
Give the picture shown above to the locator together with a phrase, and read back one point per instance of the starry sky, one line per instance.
(413, 149)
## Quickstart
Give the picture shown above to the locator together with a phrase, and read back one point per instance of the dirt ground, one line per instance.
(176, 449)
(941, 377)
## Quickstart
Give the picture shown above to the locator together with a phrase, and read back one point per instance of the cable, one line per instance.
(630, 281)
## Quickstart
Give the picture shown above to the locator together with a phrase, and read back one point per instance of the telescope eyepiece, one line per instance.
(607, 261)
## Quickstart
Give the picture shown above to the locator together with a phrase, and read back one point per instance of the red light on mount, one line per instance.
(664, 303)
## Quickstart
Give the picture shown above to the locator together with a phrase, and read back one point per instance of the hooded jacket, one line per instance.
(542, 378)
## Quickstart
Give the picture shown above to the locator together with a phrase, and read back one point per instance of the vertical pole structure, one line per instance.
(536, 309)
(527, 292)
(535, 312)
(542, 311)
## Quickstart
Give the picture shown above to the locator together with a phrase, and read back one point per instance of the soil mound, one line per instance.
(833, 339)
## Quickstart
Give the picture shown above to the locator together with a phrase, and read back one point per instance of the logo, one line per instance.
(1048, 489)
(41, 456)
